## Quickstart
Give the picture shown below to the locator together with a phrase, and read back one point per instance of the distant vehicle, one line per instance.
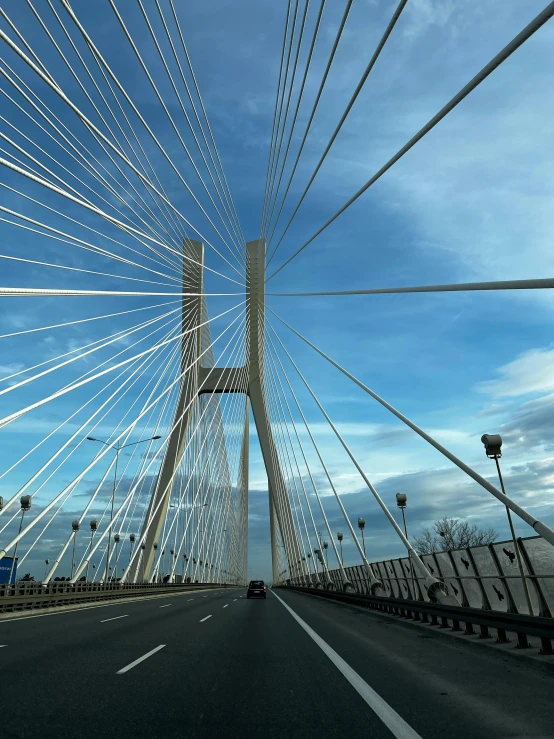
(256, 589)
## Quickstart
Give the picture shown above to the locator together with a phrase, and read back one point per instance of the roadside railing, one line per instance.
(446, 616)
(24, 595)
(484, 577)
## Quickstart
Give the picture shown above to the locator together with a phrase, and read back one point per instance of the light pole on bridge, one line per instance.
(76, 525)
(340, 537)
(25, 506)
(361, 526)
(117, 448)
(493, 445)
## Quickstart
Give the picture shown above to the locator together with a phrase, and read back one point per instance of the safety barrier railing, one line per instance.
(24, 595)
(484, 577)
(445, 616)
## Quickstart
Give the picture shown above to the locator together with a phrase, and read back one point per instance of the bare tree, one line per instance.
(451, 533)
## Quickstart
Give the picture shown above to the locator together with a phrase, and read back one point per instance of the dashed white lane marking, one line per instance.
(188, 601)
(234, 600)
(204, 596)
(140, 659)
(206, 618)
(225, 606)
(113, 619)
(166, 605)
(128, 601)
(3, 645)
(392, 720)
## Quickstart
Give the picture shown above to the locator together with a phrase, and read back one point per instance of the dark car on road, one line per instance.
(256, 589)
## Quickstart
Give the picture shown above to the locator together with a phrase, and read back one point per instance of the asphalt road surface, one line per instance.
(214, 664)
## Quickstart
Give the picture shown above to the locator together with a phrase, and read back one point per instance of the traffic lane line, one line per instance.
(114, 618)
(110, 604)
(139, 660)
(392, 720)
(166, 605)
(225, 606)
(206, 618)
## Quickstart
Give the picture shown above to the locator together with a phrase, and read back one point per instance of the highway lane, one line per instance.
(195, 666)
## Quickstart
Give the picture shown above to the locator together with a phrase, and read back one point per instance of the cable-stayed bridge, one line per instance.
(142, 357)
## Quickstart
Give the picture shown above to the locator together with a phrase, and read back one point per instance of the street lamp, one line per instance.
(326, 547)
(116, 539)
(340, 538)
(93, 529)
(25, 506)
(46, 562)
(117, 448)
(132, 539)
(493, 445)
(402, 502)
(361, 526)
(75, 526)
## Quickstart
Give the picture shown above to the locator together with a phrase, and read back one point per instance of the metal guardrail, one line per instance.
(24, 596)
(451, 616)
(484, 576)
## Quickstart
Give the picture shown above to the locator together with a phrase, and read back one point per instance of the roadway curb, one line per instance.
(537, 660)
(89, 606)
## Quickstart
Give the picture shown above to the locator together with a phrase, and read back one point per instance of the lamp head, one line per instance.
(493, 445)
(401, 500)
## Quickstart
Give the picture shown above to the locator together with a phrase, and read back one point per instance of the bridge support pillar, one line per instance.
(192, 312)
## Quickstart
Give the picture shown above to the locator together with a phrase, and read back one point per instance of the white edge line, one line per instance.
(114, 618)
(206, 618)
(392, 720)
(140, 659)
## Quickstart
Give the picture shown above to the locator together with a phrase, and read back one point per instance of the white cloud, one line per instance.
(531, 372)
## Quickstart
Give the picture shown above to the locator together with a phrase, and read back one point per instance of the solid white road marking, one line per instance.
(205, 619)
(113, 619)
(225, 606)
(392, 720)
(139, 660)
(166, 605)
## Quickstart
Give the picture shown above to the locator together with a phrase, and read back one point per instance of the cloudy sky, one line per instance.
(471, 202)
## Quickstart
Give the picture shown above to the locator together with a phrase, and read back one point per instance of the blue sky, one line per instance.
(472, 201)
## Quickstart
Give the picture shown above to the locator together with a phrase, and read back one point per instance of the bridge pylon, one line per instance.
(200, 380)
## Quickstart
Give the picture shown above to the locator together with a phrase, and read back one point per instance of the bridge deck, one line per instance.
(250, 670)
